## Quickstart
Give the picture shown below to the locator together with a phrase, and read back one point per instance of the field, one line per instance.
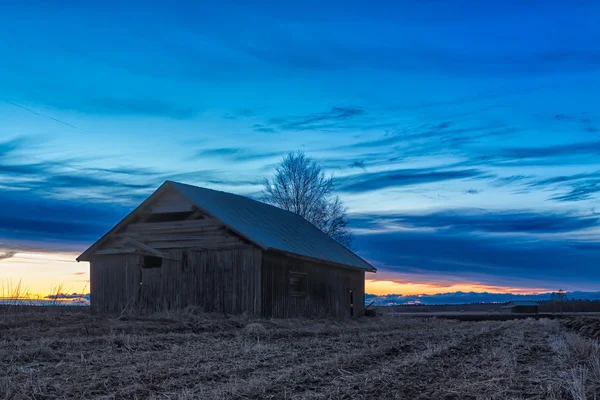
(48, 355)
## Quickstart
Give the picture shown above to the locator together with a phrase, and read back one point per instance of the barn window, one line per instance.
(297, 283)
(151, 262)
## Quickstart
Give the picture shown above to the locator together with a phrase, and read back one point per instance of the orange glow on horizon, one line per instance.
(383, 287)
(35, 275)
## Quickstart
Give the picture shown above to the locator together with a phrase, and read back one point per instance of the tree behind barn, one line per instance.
(300, 185)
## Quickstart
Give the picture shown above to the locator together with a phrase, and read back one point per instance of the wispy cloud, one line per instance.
(471, 220)
(574, 187)
(219, 152)
(7, 254)
(71, 178)
(333, 118)
(29, 216)
(262, 128)
(366, 182)
(511, 179)
(569, 149)
(581, 190)
(238, 153)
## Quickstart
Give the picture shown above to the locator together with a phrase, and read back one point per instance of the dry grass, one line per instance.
(579, 361)
(190, 355)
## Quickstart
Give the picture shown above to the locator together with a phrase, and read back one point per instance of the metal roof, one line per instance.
(269, 227)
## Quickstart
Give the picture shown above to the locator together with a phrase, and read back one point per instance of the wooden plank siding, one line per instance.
(114, 281)
(225, 280)
(327, 288)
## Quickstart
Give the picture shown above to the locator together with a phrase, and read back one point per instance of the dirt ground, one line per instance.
(186, 356)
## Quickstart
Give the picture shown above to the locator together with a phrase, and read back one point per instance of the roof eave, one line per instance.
(320, 260)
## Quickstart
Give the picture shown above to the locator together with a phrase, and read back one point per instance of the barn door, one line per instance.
(150, 282)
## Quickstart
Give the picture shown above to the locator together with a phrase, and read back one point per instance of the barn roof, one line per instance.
(268, 227)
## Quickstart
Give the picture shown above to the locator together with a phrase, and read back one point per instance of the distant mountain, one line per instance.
(469, 297)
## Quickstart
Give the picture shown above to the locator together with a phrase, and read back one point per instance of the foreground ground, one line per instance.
(184, 355)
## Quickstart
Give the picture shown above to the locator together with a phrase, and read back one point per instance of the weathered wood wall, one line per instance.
(215, 280)
(327, 288)
(227, 280)
(198, 234)
(114, 281)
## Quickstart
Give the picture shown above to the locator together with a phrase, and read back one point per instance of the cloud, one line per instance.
(7, 255)
(28, 216)
(509, 180)
(568, 154)
(218, 152)
(358, 164)
(333, 118)
(20, 244)
(477, 220)
(11, 146)
(570, 150)
(68, 178)
(134, 171)
(427, 140)
(499, 261)
(371, 181)
(582, 190)
(238, 153)
(574, 187)
(51, 204)
(262, 128)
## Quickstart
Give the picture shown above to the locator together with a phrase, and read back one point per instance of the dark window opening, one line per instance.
(151, 262)
(351, 304)
(168, 217)
(297, 283)
(184, 261)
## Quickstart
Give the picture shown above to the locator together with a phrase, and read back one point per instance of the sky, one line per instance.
(464, 136)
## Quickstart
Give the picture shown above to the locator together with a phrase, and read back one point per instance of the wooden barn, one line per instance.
(521, 307)
(191, 246)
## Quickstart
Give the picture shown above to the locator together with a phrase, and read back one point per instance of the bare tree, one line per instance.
(300, 185)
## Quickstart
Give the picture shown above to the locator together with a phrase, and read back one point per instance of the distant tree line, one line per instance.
(545, 306)
(569, 306)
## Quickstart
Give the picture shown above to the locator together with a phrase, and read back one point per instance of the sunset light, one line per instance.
(36, 275)
(461, 139)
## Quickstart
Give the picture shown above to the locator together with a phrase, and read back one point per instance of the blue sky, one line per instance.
(464, 137)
